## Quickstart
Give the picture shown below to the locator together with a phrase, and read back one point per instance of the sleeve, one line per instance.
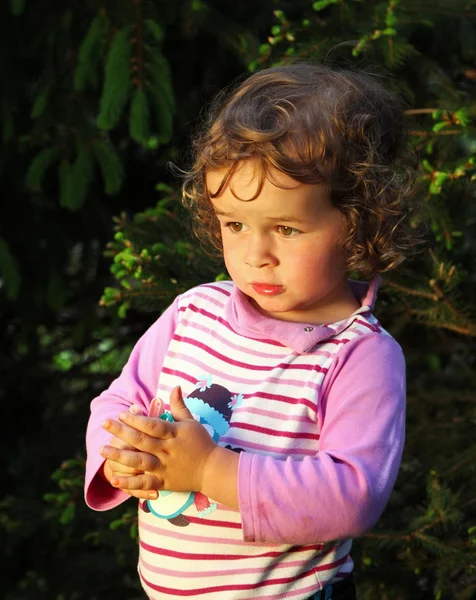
(341, 492)
(136, 384)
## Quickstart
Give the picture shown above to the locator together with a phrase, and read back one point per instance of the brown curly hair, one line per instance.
(317, 124)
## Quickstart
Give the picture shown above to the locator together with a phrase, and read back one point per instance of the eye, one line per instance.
(235, 227)
(286, 231)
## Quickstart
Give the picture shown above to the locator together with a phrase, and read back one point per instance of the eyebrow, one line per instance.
(281, 219)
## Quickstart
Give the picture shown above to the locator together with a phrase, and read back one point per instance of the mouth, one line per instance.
(267, 289)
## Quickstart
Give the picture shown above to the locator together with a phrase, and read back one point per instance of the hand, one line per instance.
(114, 469)
(172, 456)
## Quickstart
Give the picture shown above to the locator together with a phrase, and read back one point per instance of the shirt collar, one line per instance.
(300, 337)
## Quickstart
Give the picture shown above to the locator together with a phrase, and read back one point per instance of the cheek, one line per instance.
(231, 257)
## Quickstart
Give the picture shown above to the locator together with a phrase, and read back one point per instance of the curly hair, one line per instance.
(318, 125)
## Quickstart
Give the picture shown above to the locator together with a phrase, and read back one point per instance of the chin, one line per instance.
(271, 305)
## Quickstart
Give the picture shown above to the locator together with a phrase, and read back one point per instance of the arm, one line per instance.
(340, 492)
(136, 385)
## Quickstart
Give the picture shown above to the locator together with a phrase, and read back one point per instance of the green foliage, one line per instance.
(139, 117)
(90, 53)
(36, 173)
(110, 164)
(152, 273)
(118, 81)
(41, 103)
(17, 7)
(62, 349)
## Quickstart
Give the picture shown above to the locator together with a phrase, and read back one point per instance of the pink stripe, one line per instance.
(180, 374)
(214, 522)
(355, 330)
(177, 535)
(214, 318)
(334, 341)
(238, 380)
(308, 590)
(221, 572)
(238, 363)
(244, 349)
(210, 299)
(273, 415)
(287, 434)
(226, 588)
(270, 449)
(365, 324)
(219, 289)
(203, 556)
(288, 400)
(332, 565)
(265, 395)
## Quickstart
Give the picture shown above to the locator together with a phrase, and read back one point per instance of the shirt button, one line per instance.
(308, 329)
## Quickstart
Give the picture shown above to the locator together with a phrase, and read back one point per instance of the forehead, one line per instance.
(246, 194)
(244, 179)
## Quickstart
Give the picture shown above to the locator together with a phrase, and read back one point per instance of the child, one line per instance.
(290, 436)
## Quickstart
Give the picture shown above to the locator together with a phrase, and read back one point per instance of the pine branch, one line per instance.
(138, 67)
(111, 166)
(139, 117)
(40, 164)
(90, 51)
(117, 83)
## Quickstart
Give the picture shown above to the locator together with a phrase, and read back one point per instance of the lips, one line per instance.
(267, 289)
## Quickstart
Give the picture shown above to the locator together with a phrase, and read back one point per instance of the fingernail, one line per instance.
(124, 416)
(114, 481)
(107, 424)
(105, 451)
(153, 495)
(135, 410)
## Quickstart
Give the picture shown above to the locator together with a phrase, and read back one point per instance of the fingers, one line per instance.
(140, 486)
(116, 442)
(135, 461)
(156, 407)
(143, 433)
(118, 469)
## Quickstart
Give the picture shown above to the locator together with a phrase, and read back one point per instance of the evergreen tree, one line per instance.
(114, 91)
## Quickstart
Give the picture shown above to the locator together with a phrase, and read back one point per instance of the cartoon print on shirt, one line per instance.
(211, 405)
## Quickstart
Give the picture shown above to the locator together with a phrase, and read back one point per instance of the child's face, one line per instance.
(283, 249)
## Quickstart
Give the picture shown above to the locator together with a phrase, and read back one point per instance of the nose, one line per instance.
(260, 252)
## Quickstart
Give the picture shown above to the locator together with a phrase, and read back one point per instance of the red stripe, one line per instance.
(244, 586)
(213, 317)
(212, 523)
(333, 565)
(216, 288)
(238, 363)
(179, 373)
(267, 396)
(258, 429)
(333, 341)
(365, 324)
(191, 556)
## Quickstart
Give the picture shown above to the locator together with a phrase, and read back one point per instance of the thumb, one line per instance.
(177, 406)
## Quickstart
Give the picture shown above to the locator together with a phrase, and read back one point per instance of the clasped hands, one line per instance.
(147, 454)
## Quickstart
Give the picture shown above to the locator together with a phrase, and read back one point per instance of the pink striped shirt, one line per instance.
(317, 413)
